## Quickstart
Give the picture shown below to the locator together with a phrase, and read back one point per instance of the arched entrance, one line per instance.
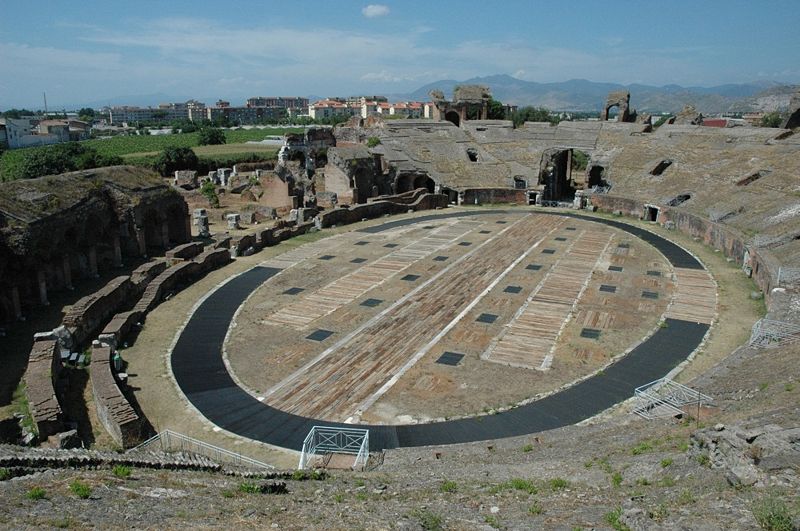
(424, 181)
(453, 117)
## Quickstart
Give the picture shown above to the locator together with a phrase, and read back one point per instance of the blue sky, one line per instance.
(92, 50)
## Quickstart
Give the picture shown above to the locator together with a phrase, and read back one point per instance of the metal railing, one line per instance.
(768, 333)
(323, 440)
(170, 441)
(665, 398)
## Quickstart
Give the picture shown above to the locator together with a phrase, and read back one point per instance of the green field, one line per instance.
(142, 150)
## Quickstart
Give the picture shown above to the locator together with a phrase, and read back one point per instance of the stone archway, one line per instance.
(423, 181)
(453, 117)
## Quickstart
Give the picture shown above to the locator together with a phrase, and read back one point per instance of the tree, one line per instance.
(175, 158)
(496, 111)
(531, 114)
(210, 193)
(771, 119)
(86, 114)
(59, 158)
(211, 136)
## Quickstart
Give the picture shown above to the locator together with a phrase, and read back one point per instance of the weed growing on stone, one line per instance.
(686, 497)
(616, 479)
(4, 474)
(492, 521)
(612, 518)
(80, 489)
(527, 448)
(667, 461)
(641, 448)
(427, 519)
(772, 514)
(121, 471)
(448, 486)
(36, 493)
(536, 508)
(248, 487)
(558, 484)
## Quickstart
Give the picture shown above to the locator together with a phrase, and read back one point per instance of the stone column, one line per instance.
(42, 281)
(140, 239)
(165, 234)
(188, 236)
(15, 302)
(93, 261)
(117, 251)
(67, 273)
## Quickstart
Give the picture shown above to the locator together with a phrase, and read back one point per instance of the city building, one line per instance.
(284, 102)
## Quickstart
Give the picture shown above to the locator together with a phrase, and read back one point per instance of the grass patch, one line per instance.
(667, 461)
(704, 460)
(36, 493)
(536, 508)
(527, 448)
(121, 471)
(80, 489)
(612, 519)
(686, 497)
(641, 448)
(492, 521)
(248, 487)
(772, 514)
(4, 474)
(428, 520)
(448, 486)
(558, 484)
(616, 479)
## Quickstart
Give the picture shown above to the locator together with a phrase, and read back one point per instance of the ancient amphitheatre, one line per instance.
(508, 294)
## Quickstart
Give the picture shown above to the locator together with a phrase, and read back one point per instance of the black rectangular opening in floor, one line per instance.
(319, 335)
(561, 239)
(590, 333)
(615, 268)
(440, 258)
(390, 245)
(371, 303)
(410, 278)
(293, 291)
(649, 295)
(533, 267)
(486, 318)
(608, 289)
(570, 228)
(501, 222)
(624, 245)
(327, 257)
(465, 244)
(428, 227)
(361, 243)
(484, 232)
(654, 273)
(358, 260)
(512, 289)
(548, 251)
(450, 358)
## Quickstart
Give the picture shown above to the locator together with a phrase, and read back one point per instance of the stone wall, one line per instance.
(185, 251)
(90, 313)
(343, 216)
(44, 407)
(480, 196)
(115, 412)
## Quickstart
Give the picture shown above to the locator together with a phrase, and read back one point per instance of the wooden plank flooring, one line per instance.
(348, 288)
(695, 296)
(529, 338)
(334, 386)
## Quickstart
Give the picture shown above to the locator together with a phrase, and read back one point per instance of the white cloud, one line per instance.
(375, 10)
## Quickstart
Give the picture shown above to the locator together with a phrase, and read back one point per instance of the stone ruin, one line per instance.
(622, 100)
(467, 100)
(200, 220)
(57, 229)
(793, 119)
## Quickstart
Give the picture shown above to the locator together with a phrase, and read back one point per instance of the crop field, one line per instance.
(126, 145)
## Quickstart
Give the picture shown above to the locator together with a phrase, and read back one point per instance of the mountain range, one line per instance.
(584, 95)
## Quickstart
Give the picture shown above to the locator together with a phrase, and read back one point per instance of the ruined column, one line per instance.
(188, 228)
(67, 273)
(165, 234)
(93, 261)
(41, 278)
(117, 251)
(16, 304)
(140, 239)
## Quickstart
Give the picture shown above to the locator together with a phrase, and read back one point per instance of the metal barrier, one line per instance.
(170, 441)
(665, 398)
(324, 440)
(768, 333)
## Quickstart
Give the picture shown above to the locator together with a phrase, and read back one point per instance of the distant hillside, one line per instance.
(584, 95)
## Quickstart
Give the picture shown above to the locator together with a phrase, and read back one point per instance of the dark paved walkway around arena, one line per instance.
(201, 374)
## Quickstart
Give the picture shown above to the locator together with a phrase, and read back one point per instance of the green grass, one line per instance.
(428, 520)
(524, 485)
(4, 474)
(667, 461)
(80, 489)
(248, 487)
(121, 471)
(36, 493)
(641, 448)
(448, 486)
(527, 448)
(772, 514)
(612, 518)
(536, 508)
(616, 479)
(558, 484)
(492, 521)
